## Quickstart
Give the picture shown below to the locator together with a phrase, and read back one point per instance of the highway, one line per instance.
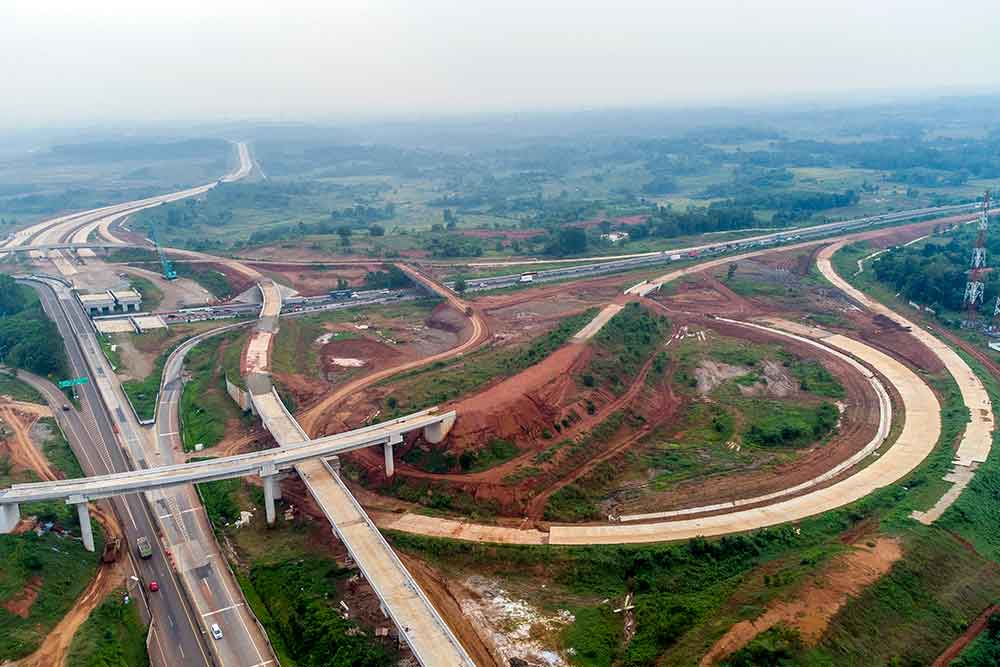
(177, 516)
(93, 437)
(81, 224)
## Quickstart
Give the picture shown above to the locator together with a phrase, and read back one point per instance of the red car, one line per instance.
(153, 586)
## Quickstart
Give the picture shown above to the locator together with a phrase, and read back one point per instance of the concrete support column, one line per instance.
(86, 532)
(10, 514)
(268, 474)
(390, 464)
(436, 432)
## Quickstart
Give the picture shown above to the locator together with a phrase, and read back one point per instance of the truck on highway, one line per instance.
(112, 550)
(144, 547)
(527, 277)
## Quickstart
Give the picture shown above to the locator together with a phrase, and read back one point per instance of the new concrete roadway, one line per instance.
(175, 631)
(178, 518)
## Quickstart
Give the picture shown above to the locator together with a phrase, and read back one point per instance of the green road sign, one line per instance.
(72, 383)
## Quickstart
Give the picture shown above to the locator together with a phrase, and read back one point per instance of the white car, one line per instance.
(216, 631)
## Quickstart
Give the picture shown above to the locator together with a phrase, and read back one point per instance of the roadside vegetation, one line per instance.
(28, 338)
(293, 583)
(17, 389)
(113, 635)
(205, 405)
(42, 575)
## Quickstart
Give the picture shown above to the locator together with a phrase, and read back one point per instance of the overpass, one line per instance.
(428, 636)
(267, 464)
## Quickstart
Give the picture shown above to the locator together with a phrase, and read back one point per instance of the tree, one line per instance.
(342, 284)
(460, 285)
(569, 241)
(376, 230)
(344, 231)
(11, 298)
(731, 271)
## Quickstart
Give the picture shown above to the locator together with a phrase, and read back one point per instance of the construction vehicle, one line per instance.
(112, 550)
(144, 547)
(168, 267)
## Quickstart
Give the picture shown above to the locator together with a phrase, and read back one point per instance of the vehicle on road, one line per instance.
(65, 407)
(112, 550)
(144, 547)
(153, 586)
(216, 631)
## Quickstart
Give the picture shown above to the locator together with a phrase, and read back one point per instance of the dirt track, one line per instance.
(24, 453)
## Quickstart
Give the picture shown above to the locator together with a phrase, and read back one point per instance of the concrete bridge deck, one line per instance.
(270, 460)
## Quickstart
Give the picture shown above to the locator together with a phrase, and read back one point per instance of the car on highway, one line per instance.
(153, 586)
(216, 631)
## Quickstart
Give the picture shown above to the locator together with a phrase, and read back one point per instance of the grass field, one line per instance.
(18, 390)
(113, 635)
(205, 405)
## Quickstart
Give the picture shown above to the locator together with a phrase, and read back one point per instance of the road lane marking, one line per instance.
(164, 435)
(170, 516)
(219, 611)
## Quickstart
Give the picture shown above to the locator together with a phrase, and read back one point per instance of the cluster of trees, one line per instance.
(391, 278)
(28, 338)
(361, 214)
(934, 274)
(453, 245)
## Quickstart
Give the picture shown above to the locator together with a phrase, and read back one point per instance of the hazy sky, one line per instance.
(81, 61)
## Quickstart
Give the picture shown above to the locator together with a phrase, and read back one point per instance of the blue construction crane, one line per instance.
(168, 268)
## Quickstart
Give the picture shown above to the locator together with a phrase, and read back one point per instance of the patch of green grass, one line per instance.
(110, 351)
(112, 635)
(58, 451)
(144, 393)
(813, 377)
(779, 646)
(495, 452)
(571, 503)
(218, 498)
(60, 569)
(152, 295)
(623, 345)
(595, 635)
(205, 405)
(780, 424)
(984, 651)
(19, 390)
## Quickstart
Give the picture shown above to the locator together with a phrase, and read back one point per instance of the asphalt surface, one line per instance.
(205, 591)
(92, 436)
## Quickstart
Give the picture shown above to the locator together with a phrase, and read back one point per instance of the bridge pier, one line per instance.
(83, 512)
(390, 463)
(272, 490)
(435, 433)
(10, 515)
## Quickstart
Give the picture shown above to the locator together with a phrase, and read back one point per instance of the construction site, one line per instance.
(684, 460)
